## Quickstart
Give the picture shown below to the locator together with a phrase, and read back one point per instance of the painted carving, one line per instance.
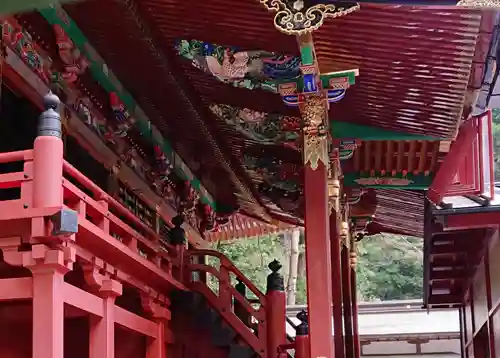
(278, 174)
(264, 128)
(123, 118)
(334, 86)
(296, 17)
(162, 163)
(281, 182)
(207, 217)
(21, 43)
(75, 64)
(83, 107)
(383, 181)
(245, 69)
(347, 148)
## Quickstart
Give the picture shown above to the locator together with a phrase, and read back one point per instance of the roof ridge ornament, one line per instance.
(298, 17)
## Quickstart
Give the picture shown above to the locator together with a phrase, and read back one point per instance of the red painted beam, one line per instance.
(449, 249)
(456, 260)
(453, 274)
(444, 300)
(472, 220)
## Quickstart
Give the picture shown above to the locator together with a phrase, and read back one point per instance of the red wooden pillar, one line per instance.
(302, 337)
(318, 258)
(346, 298)
(354, 302)
(48, 304)
(102, 329)
(157, 348)
(336, 244)
(275, 310)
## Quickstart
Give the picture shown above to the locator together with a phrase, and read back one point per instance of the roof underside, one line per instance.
(399, 212)
(414, 66)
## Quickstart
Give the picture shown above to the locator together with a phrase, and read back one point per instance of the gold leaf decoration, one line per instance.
(297, 17)
(491, 4)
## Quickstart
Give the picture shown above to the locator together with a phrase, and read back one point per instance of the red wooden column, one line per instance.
(160, 314)
(102, 329)
(48, 269)
(336, 244)
(157, 348)
(354, 302)
(318, 258)
(346, 298)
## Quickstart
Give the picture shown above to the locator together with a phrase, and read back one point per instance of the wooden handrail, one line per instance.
(153, 239)
(11, 157)
(224, 260)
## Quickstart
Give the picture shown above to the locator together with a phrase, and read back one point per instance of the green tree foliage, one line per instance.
(251, 256)
(389, 266)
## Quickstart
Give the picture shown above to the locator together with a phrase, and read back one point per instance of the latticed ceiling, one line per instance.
(414, 76)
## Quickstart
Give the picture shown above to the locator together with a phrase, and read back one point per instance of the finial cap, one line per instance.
(51, 101)
(49, 123)
(303, 328)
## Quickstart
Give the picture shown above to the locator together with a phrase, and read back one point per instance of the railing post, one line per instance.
(302, 336)
(275, 310)
(178, 239)
(240, 311)
(48, 156)
(225, 295)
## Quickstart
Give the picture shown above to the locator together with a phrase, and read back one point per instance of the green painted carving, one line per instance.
(343, 130)
(55, 15)
(245, 69)
(263, 128)
(379, 181)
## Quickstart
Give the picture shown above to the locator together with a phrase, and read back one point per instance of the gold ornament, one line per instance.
(315, 150)
(297, 17)
(315, 133)
(489, 4)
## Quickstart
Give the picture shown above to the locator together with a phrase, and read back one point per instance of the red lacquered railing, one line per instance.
(237, 310)
(108, 219)
(94, 206)
(114, 219)
(19, 206)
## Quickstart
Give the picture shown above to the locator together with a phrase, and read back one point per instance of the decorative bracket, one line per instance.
(40, 256)
(154, 307)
